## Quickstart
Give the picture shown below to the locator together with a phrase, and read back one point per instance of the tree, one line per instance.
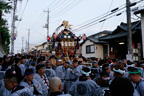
(4, 6)
(4, 31)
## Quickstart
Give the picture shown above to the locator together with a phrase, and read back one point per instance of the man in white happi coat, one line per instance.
(31, 83)
(10, 83)
(60, 70)
(41, 77)
(84, 86)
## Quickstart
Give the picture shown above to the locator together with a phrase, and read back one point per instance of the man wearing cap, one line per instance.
(31, 83)
(118, 71)
(49, 71)
(80, 65)
(22, 66)
(41, 77)
(10, 83)
(136, 76)
(107, 69)
(70, 59)
(94, 69)
(60, 70)
(75, 73)
(67, 77)
(84, 86)
(103, 81)
(33, 66)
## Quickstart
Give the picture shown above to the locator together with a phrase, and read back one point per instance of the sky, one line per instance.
(75, 11)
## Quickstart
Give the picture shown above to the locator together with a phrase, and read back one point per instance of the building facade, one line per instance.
(92, 47)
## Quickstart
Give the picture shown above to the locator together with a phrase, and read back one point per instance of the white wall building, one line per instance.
(92, 47)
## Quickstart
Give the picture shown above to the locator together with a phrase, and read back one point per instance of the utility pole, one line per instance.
(13, 26)
(26, 47)
(129, 36)
(28, 38)
(47, 26)
(22, 44)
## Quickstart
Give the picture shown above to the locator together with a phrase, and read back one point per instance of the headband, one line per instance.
(85, 73)
(90, 64)
(59, 60)
(119, 71)
(105, 78)
(133, 65)
(28, 73)
(136, 72)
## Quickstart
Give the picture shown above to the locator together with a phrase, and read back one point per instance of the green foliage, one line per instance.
(5, 7)
(4, 31)
(5, 36)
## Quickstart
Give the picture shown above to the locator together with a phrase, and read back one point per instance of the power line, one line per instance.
(107, 13)
(101, 15)
(20, 7)
(98, 22)
(22, 13)
(45, 17)
(95, 21)
(70, 8)
(50, 4)
(75, 2)
(41, 18)
(54, 5)
(58, 5)
(38, 28)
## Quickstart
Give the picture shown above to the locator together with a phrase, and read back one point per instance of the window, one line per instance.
(90, 49)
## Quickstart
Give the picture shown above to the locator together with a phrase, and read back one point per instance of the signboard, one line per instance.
(129, 57)
(14, 36)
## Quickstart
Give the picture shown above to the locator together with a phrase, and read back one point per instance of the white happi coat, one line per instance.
(44, 86)
(60, 72)
(83, 88)
(31, 86)
(23, 92)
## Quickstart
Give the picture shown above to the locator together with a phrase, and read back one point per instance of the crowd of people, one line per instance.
(42, 75)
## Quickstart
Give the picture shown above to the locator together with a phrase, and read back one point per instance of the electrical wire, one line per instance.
(60, 4)
(32, 30)
(93, 22)
(50, 4)
(99, 16)
(20, 7)
(22, 12)
(35, 27)
(98, 22)
(40, 18)
(98, 19)
(50, 7)
(69, 5)
(70, 8)
(106, 16)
